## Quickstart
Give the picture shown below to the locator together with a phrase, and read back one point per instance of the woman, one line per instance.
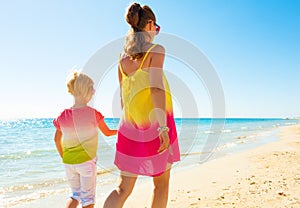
(147, 140)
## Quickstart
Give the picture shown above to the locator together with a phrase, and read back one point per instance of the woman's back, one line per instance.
(136, 89)
(130, 66)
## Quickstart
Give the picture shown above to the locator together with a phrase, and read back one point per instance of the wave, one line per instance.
(25, 154)
(209, 132)
(213, 132)
(193, 153)
(290, 123)
(47, 183)
(106, 171)
(241, 137)
(10, 201)
(224, 146)
(5, 190)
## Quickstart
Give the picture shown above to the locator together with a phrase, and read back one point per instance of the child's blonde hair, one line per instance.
(80, 85)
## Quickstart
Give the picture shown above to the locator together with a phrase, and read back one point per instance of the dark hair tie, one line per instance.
(140, 14)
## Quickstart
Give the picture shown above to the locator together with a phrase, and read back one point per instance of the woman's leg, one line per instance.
(117, 198)
(161, 190)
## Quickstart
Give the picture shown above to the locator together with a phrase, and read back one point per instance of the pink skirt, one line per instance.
(137, 149)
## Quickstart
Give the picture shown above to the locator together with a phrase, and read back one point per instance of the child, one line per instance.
(78, 126)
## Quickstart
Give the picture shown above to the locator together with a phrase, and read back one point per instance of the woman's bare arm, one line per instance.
(157, 85)
(158, 93)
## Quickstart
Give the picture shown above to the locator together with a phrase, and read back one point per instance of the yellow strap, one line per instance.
(142, 63)
(121, 68)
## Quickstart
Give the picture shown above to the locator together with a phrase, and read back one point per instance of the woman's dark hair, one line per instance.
(137, 17)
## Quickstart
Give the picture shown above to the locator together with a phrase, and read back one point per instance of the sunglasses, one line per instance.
(157, 27)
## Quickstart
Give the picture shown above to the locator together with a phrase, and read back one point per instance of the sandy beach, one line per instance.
(267, 176)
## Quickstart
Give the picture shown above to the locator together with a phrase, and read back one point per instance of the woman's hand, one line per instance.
(164, 141)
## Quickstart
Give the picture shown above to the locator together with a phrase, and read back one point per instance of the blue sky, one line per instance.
(254, 46)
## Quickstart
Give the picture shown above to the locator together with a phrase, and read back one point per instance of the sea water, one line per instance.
(30, 167)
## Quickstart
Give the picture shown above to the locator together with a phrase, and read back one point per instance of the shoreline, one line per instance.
(225, 181)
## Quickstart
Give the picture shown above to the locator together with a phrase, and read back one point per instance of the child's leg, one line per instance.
(88, 173)
(72, 203)
(74, 181)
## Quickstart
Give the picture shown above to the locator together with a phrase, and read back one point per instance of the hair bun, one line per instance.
(75, 74)
(132, 16)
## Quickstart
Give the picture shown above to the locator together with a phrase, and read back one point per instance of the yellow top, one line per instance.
(136, 96)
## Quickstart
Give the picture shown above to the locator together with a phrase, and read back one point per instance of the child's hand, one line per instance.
(114, 132)
(105, 130)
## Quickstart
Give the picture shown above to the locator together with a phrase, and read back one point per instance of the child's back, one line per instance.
(79, 127)
(76, 140)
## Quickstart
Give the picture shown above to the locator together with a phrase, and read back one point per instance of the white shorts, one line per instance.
(82, 180)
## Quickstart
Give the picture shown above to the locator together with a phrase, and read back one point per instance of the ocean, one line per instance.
(30, 167)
